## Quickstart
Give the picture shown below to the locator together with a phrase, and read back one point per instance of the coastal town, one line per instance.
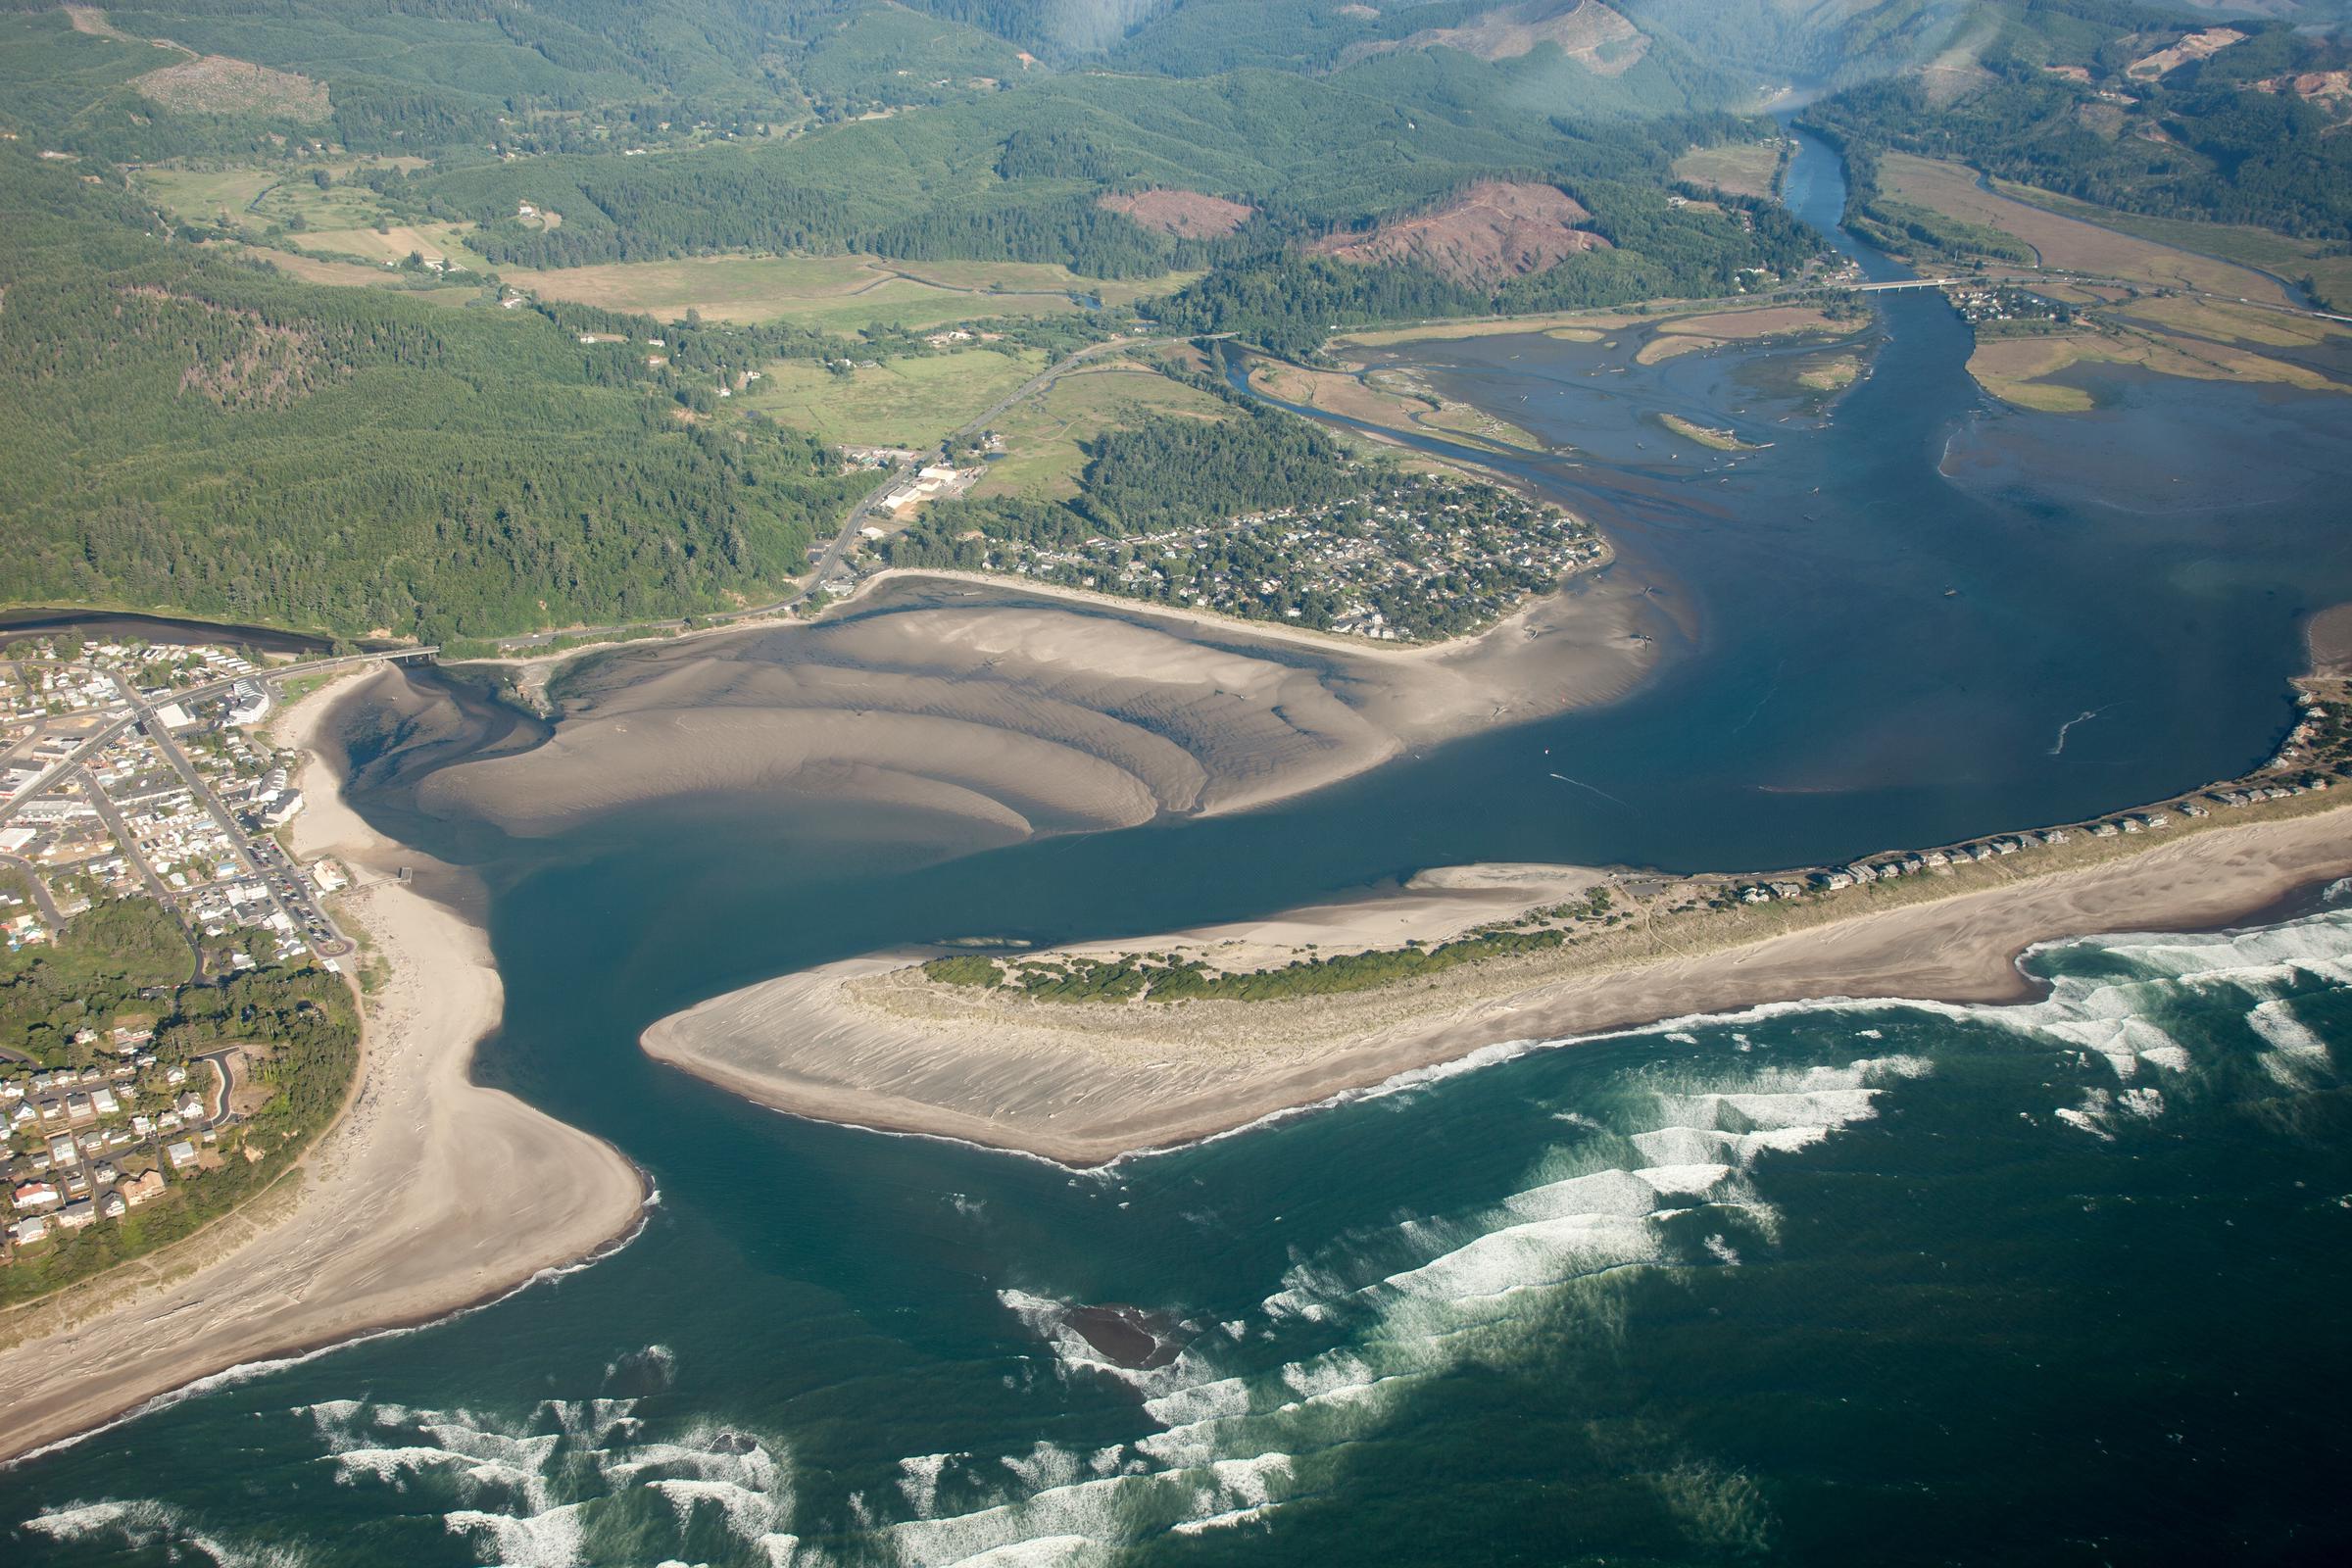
(136, 801)
(1416, 558)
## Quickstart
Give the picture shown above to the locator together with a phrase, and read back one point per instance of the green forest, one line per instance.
(195, 432)
(2198, 142)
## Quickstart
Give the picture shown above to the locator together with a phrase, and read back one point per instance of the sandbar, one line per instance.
(874, 1043)
(1025, 708)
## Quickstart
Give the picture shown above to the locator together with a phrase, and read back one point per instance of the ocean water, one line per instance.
(1830, 1281)
(1834, 1282)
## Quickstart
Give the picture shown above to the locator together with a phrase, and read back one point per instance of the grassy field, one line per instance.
(2282, 254)
(1744, 167)
(1044, 438)
(910, 402)
(2022, 369)
(2064, 242)
(841, 293)
(351, 274)
(435, 242)
(339, 220)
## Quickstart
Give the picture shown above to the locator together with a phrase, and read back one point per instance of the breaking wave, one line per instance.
(1656, 1169)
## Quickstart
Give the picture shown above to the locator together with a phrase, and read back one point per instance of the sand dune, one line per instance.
(1036, 711)
(872, 1042)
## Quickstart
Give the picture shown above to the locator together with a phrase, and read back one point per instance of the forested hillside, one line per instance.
(2092, 99)
(195, 433)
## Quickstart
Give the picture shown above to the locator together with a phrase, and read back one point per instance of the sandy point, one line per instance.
(430, 1192)
(873, 1042)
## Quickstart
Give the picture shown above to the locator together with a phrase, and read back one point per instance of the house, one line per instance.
(113, 1205)
(25, 1232)
(62, 1151)
(189, 1106)
(103, 1101)
(142, 1187)
(77, 1216)
(182, 1154)
(36, 1195)
(247, 703)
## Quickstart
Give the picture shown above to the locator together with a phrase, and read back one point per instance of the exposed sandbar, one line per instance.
(1039, 710)
(430, 1194)
(873, 1042)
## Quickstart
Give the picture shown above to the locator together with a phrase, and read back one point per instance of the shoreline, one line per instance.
(870, 1043)
(392, 1225)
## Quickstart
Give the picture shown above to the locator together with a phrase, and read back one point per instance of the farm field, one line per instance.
(838, 293)
(1046, 437)
(1743, 168)
(909, 401)
(2063, 242)
(2272, 252)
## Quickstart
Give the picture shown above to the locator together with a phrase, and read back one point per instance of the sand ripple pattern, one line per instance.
(1032, 715)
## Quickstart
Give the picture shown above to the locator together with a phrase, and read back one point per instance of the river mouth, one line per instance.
(1658, 1297)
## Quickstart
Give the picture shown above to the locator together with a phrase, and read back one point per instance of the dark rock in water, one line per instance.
(1132, 1337)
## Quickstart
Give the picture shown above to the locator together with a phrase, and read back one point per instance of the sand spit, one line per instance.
(430, 1194)
(872, 1043)
(1031, 712)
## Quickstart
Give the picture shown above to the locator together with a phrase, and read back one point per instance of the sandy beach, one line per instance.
(1027, 710)
(873, 1043)
(430, 1194)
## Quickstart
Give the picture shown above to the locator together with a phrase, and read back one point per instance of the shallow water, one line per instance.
(1829, 1283)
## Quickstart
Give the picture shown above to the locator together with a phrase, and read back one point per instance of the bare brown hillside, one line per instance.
(214, 85)
(1586, 31)
(1187, 214)
(1494, 232)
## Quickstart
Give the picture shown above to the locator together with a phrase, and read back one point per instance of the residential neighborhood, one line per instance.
(131, 780)
(1415, 559)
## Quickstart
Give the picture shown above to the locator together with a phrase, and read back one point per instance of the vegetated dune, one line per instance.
(1032, 713)
(1187, 214)
(1492, 233)
(1584, 31)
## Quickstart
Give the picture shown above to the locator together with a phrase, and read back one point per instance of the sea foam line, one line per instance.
(247, 1371)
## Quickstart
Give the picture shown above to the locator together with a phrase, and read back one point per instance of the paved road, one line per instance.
(141, 712)
(218, 1111)
(40, 889)
(836, 554)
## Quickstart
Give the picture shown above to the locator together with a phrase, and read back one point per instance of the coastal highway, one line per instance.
(846, 541)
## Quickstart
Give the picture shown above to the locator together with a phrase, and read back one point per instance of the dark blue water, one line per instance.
(1825, 1284)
